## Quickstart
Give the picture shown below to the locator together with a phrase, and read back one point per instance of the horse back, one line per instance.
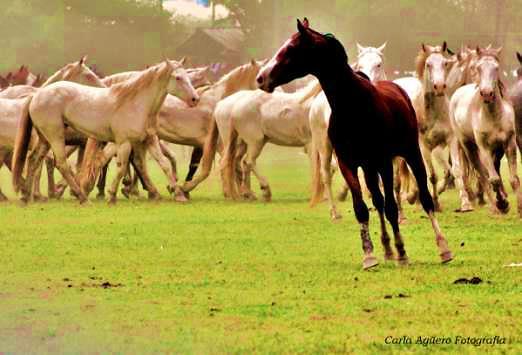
(399, 105)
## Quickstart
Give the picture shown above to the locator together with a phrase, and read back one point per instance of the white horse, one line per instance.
(370, 61)
(483, 122)
(12, 106)
(124, 113)
(428, 95)
(256, 118)
(194, 126)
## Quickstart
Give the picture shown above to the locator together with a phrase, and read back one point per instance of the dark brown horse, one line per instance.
(370, 125)
(515, 95)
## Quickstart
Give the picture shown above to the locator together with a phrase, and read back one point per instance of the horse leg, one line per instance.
(122, 162)
(102, 180)
(361, 213)
(498, 154)
(170, 156)
(399, 167)
(325, 158)
(457, 159)
(33, 159)
(195, 158)
(392, 212)
(253, 152)
(37, 195)
(243, 180)
(60, 156)
(155, 150)
(426, 153)
(443, 160)
(372, 181)
(416, 164)
(3, 157)
(487, 159)
(511, 153)
(138, 157)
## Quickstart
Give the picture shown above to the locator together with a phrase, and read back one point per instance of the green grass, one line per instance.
(213, 276)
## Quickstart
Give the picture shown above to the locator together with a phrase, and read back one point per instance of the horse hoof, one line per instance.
(154, 196)
(464, 209)
(125, 192)
(369, 262)
(503, 206)
(39, 198)
(180, 197)
(111, 201)
(388, 257)
(100, 196)
(446, 257)
(403, 261)
(267, 198)
(336, 217)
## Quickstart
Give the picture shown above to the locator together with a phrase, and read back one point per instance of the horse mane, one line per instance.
(55, 77)
(311, 90)
(118, 78)
(128, 89)
(232, 76)
(422, 56)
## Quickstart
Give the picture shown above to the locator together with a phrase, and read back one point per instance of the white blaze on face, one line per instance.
(264, 76)
(370, 63)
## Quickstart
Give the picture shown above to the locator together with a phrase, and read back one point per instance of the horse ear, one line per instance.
(444, 47)
(381, 48)
(479, 51)
(359, 47)
(301, 27)
(423, 46)
(183, 61)
(499, 50)
(306, 23)
(450, 52)
(519, 57)
(83, 60)
(253, 62)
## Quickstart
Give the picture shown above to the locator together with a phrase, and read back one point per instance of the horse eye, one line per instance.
(178, 78)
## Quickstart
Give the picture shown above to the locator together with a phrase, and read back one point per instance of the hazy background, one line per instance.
(128, 34)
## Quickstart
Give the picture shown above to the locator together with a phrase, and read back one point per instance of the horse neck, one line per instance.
(339, 85)
(150, 96)
(53, 78)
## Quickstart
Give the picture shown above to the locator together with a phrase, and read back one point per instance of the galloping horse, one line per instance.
(370, 125)
(125, 113)
(484, 126)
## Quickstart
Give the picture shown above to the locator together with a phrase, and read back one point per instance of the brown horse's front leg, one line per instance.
(361, 213)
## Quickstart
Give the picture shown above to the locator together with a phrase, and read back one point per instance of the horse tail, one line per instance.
(209, 153)
(228, 168)
(317, 184)
(91, 164)
(21, 146)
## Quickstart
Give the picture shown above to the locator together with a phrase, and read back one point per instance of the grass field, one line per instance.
(213, 276)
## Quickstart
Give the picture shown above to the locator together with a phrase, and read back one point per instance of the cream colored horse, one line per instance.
(11, 110)
(194, 126)
(428, 95)
(124, 113)
(483, 122)
(256, 118)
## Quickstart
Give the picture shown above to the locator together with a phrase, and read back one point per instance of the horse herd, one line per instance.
(455, 111)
